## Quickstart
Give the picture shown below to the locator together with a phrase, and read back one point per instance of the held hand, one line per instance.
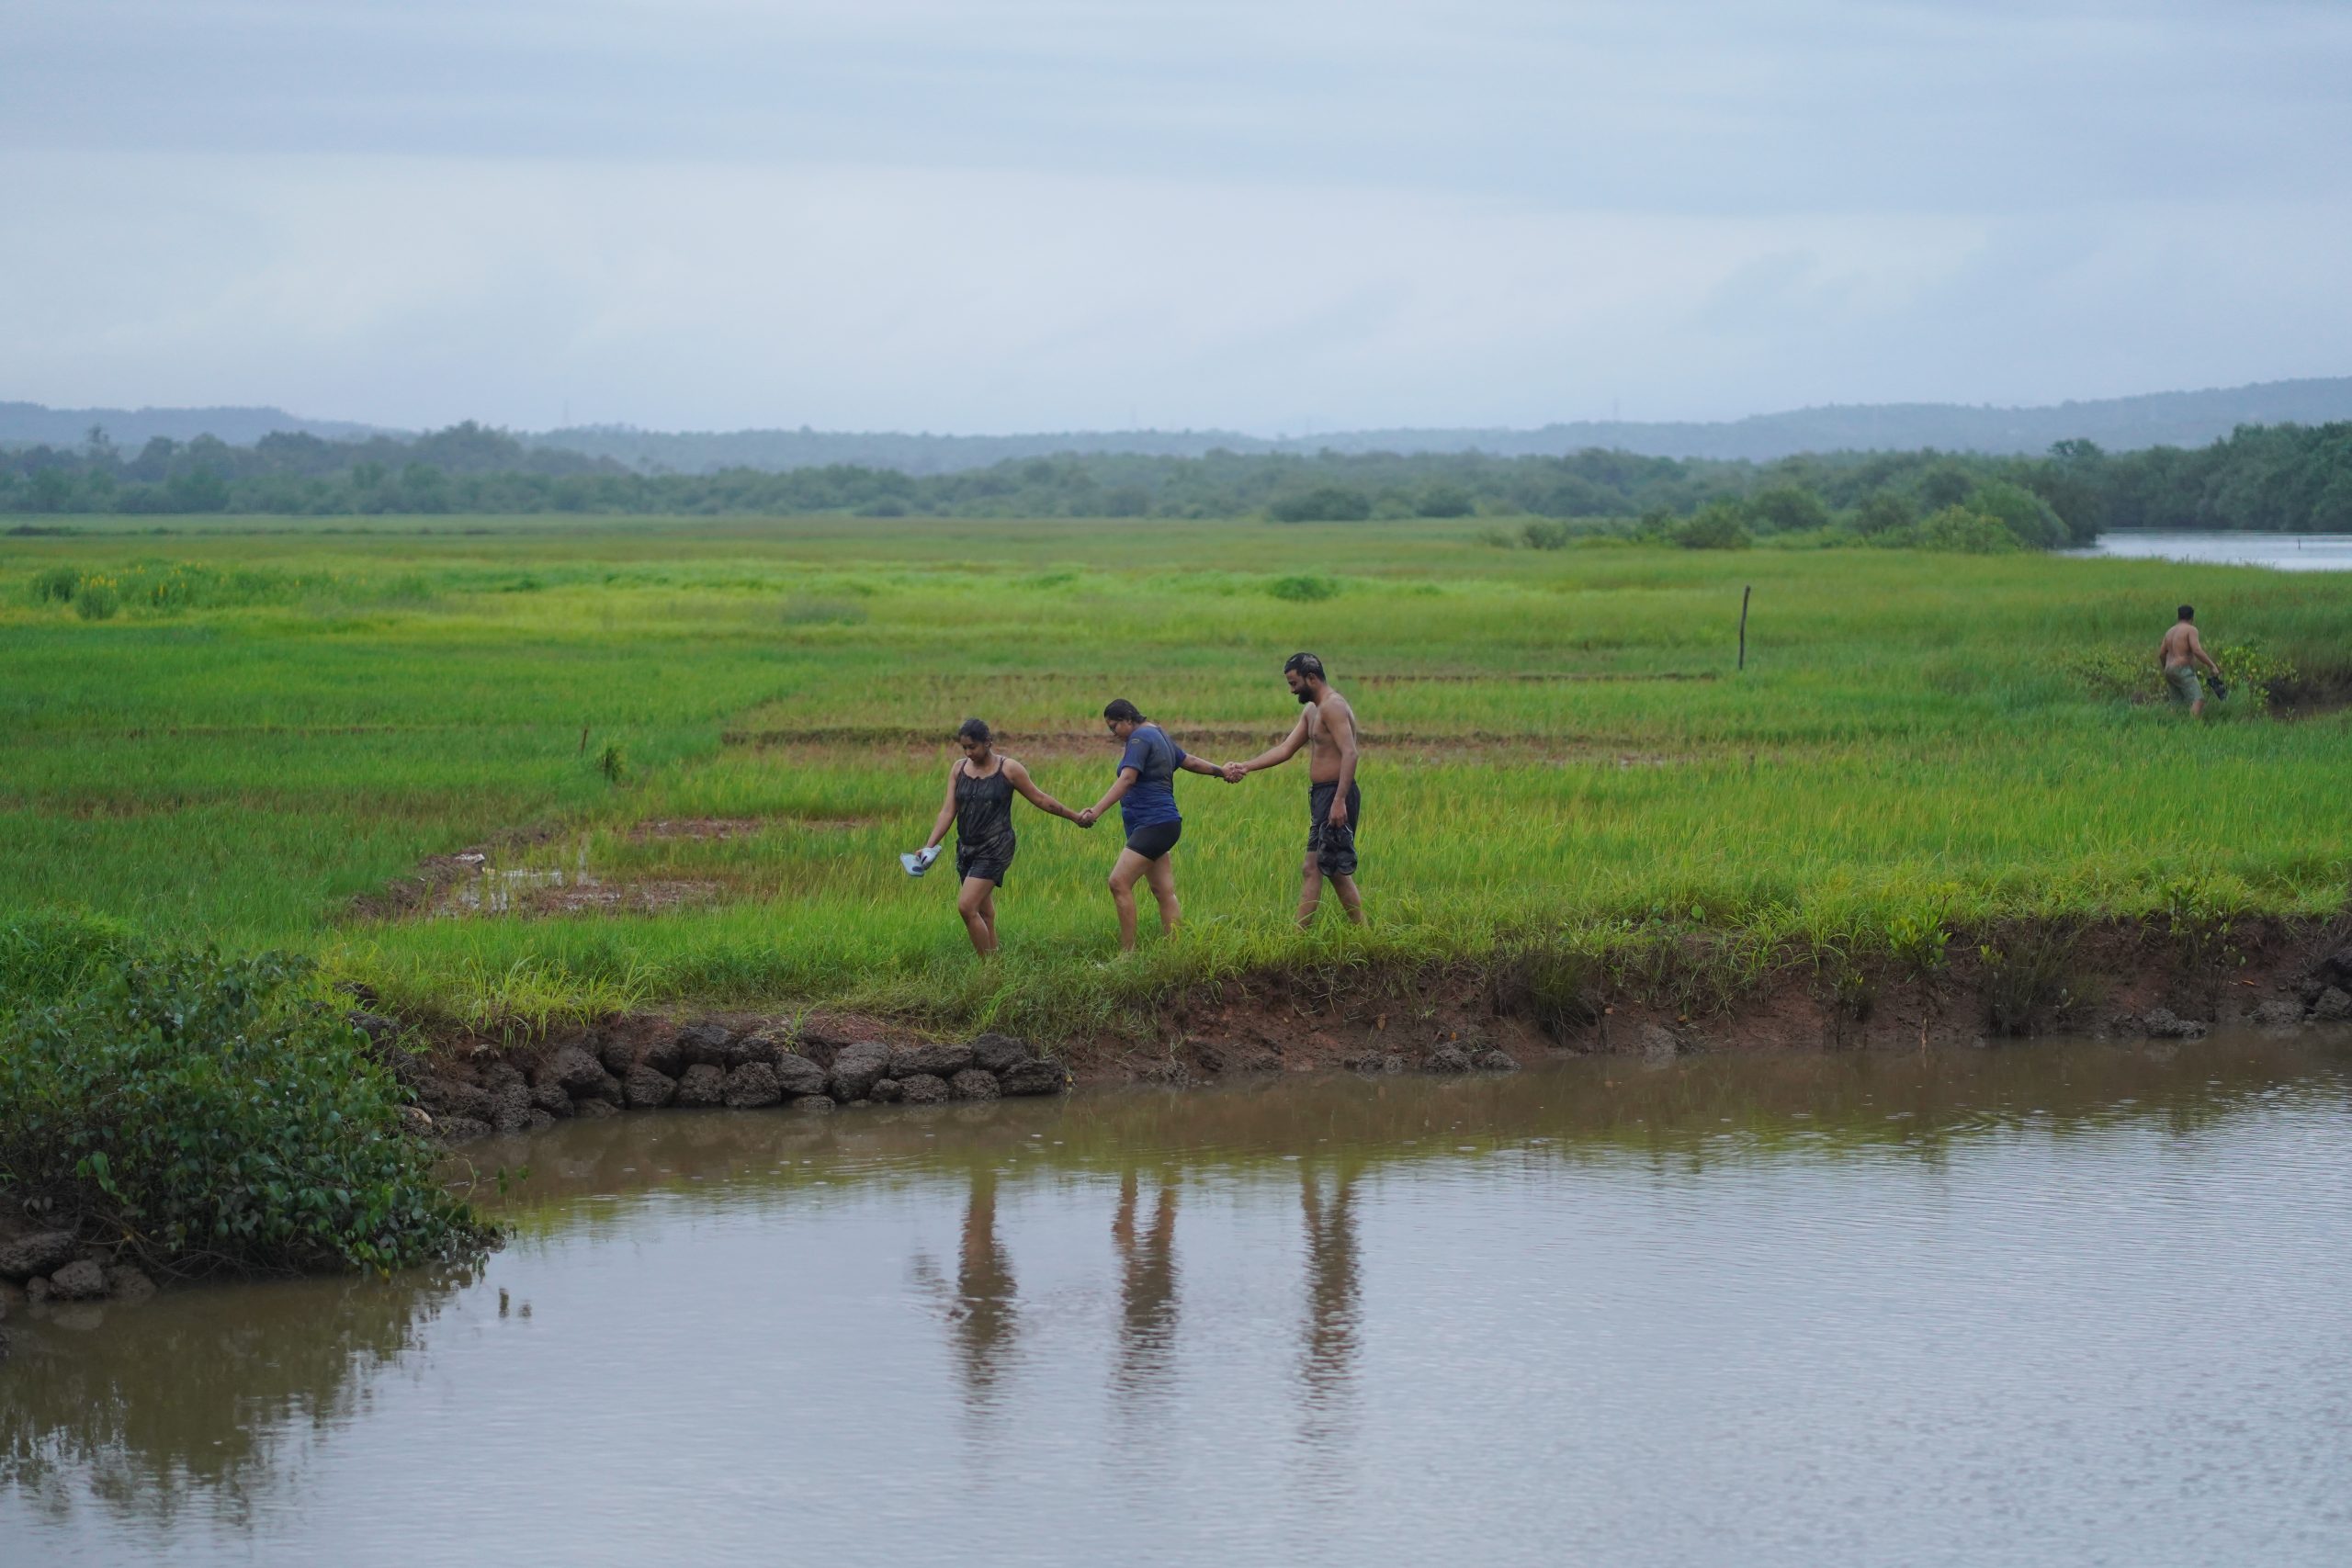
(1085, 819)
(1234, 773)
(1338, 811)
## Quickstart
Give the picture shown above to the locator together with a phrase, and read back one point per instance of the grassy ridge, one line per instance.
(1562, 750)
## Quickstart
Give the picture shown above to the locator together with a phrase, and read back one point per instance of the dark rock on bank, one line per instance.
(595, 1109)
(2334, 1007)
(1448, 1059)
(974, 1083)
(923, 1089)
(510, 1108)
(37, 1253)
(665, 1056)
(1033, 1078)
(125, 1284)
(459, 1129)
(751, 1085)
(999, 1054)
(648, 1091)
(80, 1280)
(580, 1076)
(2336, 967)
(417, 1120)
(1495, 1059)
(708, 1045)
(938, 1061)
(619, 1056)
(798, 1075)
(2278, 1013)
(820, 1045)
(857, 1069)
(813, 1102)
(551, 1099)
(455, 1097)
(701, 1087)
(2163, 1023)
(885, 1091)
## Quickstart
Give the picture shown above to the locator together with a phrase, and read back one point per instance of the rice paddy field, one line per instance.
(513, 769)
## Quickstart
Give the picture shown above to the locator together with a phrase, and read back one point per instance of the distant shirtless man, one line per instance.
(1334, 807)
(2179, 654)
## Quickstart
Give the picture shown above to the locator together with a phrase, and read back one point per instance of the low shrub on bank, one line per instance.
(210, 1114)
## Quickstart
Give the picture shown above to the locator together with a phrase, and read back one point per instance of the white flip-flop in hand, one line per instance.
(920, 862)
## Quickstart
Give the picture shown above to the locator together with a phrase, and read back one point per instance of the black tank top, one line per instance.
(983, 810)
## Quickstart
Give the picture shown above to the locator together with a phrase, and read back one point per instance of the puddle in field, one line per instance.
(2059, 1303)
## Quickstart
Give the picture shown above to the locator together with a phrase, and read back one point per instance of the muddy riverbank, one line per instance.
(2117, 980)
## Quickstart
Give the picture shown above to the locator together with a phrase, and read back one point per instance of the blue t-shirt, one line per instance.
(1154, 758)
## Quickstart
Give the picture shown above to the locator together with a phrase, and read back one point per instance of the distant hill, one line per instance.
(2160, 419)
(30, 424)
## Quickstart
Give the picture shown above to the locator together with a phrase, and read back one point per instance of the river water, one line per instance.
(2286, 552)
(2063, 1305)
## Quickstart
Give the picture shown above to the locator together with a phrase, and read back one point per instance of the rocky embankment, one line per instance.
(53, 1271)
(644, 1065)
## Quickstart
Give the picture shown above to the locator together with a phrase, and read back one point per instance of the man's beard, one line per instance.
(1303, 697)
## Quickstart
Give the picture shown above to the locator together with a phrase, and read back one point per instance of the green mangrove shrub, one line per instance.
(209, 1113)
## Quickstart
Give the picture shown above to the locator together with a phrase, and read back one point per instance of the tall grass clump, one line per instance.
(208, 1114)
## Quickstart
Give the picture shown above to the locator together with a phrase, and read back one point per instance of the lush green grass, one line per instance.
(1561, 751)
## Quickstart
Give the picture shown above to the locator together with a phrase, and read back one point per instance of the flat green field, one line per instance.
(281, 719)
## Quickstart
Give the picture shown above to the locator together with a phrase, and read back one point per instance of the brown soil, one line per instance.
(2313, 693)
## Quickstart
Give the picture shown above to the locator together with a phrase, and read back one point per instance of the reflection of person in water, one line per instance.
(985, 1310)
(1147, 1284)
(1334, 1291)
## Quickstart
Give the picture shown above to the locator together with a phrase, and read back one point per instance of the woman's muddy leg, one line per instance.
(973, 903)
(1161, 874)
(1124, 875)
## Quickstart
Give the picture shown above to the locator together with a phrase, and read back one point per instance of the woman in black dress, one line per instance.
(980, 805)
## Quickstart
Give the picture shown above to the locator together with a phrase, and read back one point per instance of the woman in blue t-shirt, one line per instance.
(1146, 792)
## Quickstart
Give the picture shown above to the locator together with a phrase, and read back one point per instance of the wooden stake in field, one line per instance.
(1744, 593)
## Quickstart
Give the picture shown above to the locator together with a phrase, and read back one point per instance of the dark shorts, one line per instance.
(988, 862)
(1334, 848)
(1155, 839)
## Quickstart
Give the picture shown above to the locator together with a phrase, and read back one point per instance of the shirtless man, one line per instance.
(2179, 655)
(1334, 808)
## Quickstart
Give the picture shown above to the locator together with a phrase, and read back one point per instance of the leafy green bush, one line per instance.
(1885, 513)
(1326, 503)
(1787, 509)
(2131, 674)
(1304, 589)
(1543, 533)
(209, 1113)
(1715, 527)
(1963, 532)
(2019, 510)
(1446, 501)
(96, 600)
(47, 955)
(55, 585)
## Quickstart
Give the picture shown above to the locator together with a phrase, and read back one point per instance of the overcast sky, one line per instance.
(1007, 215)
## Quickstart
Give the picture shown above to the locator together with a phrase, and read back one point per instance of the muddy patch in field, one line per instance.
(2313, 693)
(717, 830)
(471, 884)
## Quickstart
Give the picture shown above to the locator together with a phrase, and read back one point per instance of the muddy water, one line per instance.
(2048, 1304)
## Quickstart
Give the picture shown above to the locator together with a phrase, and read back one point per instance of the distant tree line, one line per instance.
(2285, 477)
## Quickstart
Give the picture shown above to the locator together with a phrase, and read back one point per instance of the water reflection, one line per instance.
(210, 1397)
(1327, 1362)
(1147, 1340)
(1316, 1219)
